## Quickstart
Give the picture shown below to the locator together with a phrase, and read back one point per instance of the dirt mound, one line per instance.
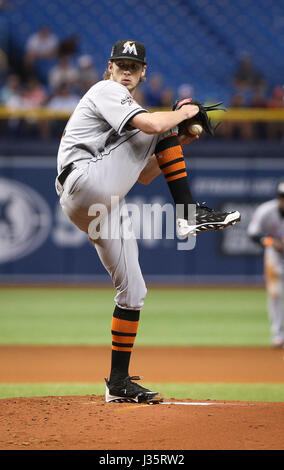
(88, 422)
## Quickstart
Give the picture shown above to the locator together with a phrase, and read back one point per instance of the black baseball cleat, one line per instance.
(206, 219)
(124, 390)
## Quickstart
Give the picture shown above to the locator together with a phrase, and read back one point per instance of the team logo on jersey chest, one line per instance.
(128, 99)
(129, 47)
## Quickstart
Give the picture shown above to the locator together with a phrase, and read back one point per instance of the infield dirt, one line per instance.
(87, 422)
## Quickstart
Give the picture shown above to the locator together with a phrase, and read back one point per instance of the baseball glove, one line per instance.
(201, 118)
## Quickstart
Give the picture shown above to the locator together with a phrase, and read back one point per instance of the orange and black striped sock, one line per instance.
(170, 159)
(124, 327)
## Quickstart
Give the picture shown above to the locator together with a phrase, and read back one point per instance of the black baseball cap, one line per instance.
(280, 189)
(128, 49)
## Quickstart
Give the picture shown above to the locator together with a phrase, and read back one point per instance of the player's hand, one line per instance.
(188, 110)
(186, 139)
(202, 116)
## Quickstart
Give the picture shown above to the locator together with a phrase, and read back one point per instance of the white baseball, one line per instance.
(195, 129)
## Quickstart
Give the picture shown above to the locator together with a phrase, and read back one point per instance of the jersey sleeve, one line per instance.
(117, 105)
(256, 226)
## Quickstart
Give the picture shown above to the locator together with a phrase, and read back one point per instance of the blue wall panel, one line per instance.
(38, 243)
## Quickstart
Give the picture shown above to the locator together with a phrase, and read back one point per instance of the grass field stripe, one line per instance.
(191, 403)
(31, 316)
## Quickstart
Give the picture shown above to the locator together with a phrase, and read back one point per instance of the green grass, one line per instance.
(195, 391)
(170, 317)
(74, 316)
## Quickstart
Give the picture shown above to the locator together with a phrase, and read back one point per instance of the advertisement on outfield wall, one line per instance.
(39, 243)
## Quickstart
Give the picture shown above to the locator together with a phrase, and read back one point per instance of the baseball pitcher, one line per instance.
(267, 229)
(111, 142)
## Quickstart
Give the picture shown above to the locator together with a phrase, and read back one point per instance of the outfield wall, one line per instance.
(39, 244)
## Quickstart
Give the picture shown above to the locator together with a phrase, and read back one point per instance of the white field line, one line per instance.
(199, 403)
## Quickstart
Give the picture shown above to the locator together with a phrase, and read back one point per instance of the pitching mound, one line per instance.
(87, 422)
(90, 423)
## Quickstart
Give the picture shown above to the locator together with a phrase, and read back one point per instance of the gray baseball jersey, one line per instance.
(267, 221)
(109, 156)
(98, 125)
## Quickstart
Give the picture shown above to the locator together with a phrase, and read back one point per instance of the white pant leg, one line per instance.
(119, 255)
(274, 273)
(275, 312)
(116, 244)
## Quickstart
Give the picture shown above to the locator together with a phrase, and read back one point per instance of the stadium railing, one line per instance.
(232, 114)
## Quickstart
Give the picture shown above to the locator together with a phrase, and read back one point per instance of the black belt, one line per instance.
(63, 175)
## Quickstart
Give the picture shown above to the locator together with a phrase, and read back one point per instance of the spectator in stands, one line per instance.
(275, 129)
(87, 74)
(236, 129)
(276, 100)
(154, 90)
(33, 96)
(64, 72)
(41, 45)
(238, 101)
(3, 66)
(17, 99)
(12, 87)
(167, 98)
(248, 79)
(259, 127)
(68, 46)
(16, 95)
(184, 91)
(257, 100)
(35, 92)
(64, 100)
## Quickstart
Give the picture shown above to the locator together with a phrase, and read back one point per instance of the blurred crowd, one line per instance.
(251, 90)
(69, 75)
(52, 75)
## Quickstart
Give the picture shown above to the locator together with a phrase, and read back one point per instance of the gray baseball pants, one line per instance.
(94, 194)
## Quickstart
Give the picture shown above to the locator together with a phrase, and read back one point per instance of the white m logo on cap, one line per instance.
(129, 47)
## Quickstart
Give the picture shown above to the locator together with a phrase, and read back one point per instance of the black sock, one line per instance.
(182, 196)
(123, 328)
(119, 364)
